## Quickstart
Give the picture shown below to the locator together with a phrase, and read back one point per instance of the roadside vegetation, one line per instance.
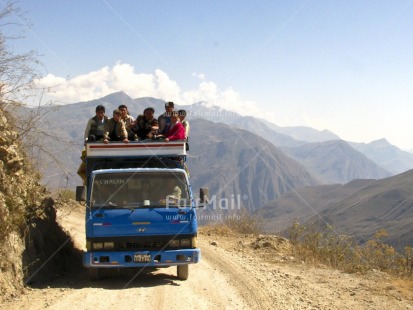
(323, 246)
(228, 223)
(32, 245)
(16, 75)
(66, 195)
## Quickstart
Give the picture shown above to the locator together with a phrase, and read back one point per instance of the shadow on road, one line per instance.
(112, 279)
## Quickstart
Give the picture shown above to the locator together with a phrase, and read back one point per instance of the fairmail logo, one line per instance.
(234, 202)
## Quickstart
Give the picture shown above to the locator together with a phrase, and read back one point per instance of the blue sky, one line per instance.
(346, 66)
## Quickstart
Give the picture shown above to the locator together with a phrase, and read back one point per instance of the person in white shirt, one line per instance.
(128, 120)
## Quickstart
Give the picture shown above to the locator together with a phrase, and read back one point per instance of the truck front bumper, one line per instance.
(128, 259)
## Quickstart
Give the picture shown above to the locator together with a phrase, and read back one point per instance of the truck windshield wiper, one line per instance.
(105, 204)
(172, 205)
(156, 205)
(111, 204)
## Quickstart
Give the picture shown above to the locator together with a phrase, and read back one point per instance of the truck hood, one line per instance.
(141, 222)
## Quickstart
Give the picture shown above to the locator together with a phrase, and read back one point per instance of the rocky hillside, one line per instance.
(336, 162)
(386, 155)
(240, 166)
(29, 234)
(359, 208)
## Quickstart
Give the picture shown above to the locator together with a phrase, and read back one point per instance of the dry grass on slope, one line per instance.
(317, 247)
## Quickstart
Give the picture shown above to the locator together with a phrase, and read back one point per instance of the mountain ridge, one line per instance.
(358, 209)
(79, 113)
(336, 161)
(233, 162)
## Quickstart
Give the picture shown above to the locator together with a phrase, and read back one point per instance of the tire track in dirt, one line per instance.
(241, 279)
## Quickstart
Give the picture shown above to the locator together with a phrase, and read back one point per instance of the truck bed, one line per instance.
(136, 148)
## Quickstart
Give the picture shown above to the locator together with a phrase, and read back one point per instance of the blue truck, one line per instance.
(140, 209)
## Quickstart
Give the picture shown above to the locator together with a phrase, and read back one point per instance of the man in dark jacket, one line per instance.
(146, 124)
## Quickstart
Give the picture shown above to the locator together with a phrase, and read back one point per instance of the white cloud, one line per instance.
(200, 76)
(122, 77)
(166, 88)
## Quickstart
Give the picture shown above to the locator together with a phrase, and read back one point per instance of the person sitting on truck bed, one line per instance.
(96, 125)
(128, 120)
(185, 123)
(115, 129)
(176, 129)
(164, 119)
(146, 124)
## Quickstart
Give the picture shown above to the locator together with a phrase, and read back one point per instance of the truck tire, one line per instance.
(94, 274)
(183, 272)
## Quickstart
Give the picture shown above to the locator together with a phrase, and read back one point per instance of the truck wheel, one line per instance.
(94, 274)
(183, 272)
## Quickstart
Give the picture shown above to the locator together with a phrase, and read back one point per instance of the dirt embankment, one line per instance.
(236, 272)
(29, 234)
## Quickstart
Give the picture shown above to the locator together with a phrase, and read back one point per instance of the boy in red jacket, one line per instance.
(176, 129)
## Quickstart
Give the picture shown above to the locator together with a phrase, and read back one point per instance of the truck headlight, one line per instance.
(97, 245)
(108, 245)
(185, 242)
(174, 243)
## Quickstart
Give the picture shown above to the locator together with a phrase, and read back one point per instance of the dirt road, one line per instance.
(231, 275)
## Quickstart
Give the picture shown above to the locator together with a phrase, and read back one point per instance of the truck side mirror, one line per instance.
(80, 193)
(204, 194)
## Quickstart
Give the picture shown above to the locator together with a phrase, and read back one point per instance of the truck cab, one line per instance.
(140, 209)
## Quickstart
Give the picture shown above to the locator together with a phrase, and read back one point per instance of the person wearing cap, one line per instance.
(96, 125)
(164, 120)
(146, 124)
(115, 129)
(128, 120)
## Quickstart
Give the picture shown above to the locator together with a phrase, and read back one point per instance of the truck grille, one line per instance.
(142, 243)
(138, 245)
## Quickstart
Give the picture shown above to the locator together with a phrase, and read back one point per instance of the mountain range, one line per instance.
(232, 161)
(359, 208)
(254, 162)
(330, 162)
(335, 161)
(386, 155)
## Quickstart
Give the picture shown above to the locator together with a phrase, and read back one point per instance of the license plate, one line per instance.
(141, 258)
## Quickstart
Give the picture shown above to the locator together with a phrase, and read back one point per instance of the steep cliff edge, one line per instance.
(33, 247)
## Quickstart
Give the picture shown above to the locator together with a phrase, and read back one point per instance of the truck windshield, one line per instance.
(140, 189)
